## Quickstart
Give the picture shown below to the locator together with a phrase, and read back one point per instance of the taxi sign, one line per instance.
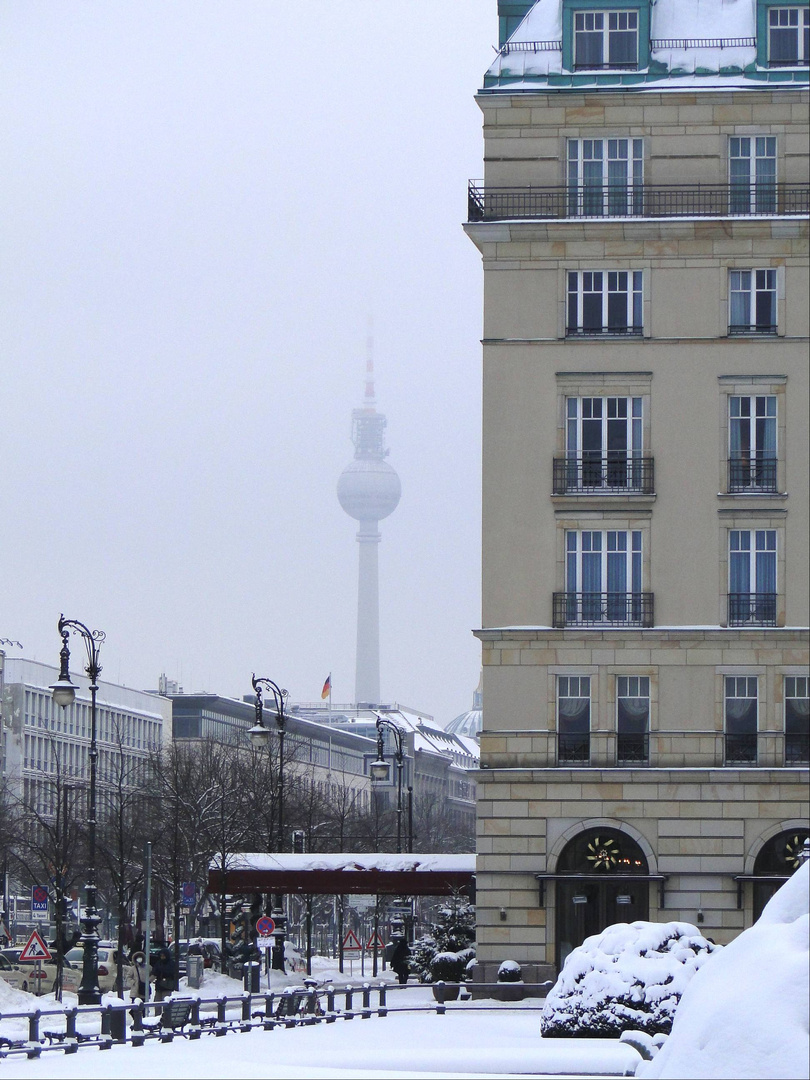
(35, 949)
(351, 943)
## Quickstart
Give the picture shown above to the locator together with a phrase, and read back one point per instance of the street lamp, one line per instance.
(380, 769)
(260, 737)
(64, 694)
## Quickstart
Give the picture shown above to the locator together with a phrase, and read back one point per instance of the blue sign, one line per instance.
(39, 899)
(189, 894)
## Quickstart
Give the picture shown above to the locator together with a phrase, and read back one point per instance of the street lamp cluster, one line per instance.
(64, 694)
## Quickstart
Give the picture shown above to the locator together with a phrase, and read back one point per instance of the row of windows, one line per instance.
(61, 757)
(741, 709)
(112, 726)
(611, 302)
(605, 445)
(609, 40)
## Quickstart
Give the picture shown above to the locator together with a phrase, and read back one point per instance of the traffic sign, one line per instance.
(188, 891)
(265, 926)
(351, 942)
(35, 949)
(265, 942)
(39, 899)
(375, 941)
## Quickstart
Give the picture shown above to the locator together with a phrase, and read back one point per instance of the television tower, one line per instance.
(368, 490)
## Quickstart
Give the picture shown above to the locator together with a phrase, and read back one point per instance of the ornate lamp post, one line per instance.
(260, 736)
(380, 769)
(64, 694)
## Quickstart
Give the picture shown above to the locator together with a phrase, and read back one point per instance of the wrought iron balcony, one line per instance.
(603, 609)
(797, 749)
(573, 749)
(752, 609)
(741, 749)
(632, 749)
(746, 329)
(751, 472)
(637, 200)
(610, 473)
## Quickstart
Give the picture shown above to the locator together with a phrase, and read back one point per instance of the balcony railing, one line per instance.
(573, 749)
(751, 472)
(747, 329)
(603, 609)
(741, 749)
(637, 200)
(752, 609)
(797, 749)
(632, 749)
(598, 474)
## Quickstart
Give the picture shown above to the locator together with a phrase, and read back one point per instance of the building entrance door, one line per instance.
(597, 897)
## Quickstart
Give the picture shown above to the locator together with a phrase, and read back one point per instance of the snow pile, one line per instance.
(631, 976)
(746, 1013)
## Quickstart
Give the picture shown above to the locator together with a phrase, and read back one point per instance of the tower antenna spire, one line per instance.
(370, 400)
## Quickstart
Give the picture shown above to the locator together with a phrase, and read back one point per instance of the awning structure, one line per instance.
(336, 875)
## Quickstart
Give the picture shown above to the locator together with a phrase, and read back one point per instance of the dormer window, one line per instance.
(788, 36)
(605, 39)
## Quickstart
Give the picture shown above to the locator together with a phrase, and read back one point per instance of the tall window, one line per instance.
(752, 577)
(604, 302)
(606, 39)
(741, 719)
(605, 176)
(788, 36)
(603, 577)
(603, 443)
(797, 720)
(752, 302)
(573, 719)
(752, 443)
(632, 719)
(752, 174)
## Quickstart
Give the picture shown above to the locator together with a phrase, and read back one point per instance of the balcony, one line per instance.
(752, 609)
(632, 749)
(573, 749)
(754, 473)
(640, 200)
(797, 749)
(602, 609)
(741, 749)
(613, 473)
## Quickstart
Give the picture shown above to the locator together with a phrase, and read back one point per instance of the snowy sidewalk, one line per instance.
(468, 1042)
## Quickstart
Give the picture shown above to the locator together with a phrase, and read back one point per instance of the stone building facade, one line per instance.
(643, 229)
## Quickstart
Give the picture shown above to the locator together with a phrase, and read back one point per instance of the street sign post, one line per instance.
(34, 952)
(39, 899)
(265, 926)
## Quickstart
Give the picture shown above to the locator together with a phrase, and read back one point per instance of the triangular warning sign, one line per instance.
(375, 938)
(351, 943)
(35, 949)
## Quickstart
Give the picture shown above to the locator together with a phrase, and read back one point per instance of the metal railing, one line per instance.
(601, 331)
(573, 749)
(746, 329)
(602, 609)
(797, 749)
(488, 203)
(751, 472)
(741, 749)
(632, 749)
(752, 609)
(604, 473)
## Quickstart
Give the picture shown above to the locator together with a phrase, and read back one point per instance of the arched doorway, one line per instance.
(597, 897)
(777, 858)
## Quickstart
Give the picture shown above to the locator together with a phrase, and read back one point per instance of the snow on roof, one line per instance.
(463, 864)
(692, 41)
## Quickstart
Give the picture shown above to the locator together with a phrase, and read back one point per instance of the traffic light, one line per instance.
(298, 841)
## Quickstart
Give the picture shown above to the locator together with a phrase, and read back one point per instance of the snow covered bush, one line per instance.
(745, 1014)
(453, 932)
(422, 952)
(510, 971)
(631, 976)
(448, 967)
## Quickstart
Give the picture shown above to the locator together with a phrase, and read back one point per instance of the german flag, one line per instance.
(327, 687)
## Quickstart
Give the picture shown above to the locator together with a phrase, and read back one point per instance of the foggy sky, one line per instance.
(203, 204)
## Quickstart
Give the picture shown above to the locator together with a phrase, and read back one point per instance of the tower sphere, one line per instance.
(369, 489)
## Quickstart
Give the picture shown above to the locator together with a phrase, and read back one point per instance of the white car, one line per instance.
(106, 965)
(14, 975)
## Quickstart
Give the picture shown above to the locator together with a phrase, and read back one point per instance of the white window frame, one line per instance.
(625, 685)
(753, 283)
(603, 467)
(747, 545)
(605, 177)
(796, 688)
(583, 688)
(752, 174)
(736, 696)
(605, 284)
(748, 471)
(781, 19)
(606, 23)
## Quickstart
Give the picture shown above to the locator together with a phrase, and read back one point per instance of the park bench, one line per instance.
(174, 1016)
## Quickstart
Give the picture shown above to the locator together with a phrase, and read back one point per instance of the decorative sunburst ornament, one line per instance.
(603, 854)
(793, 850)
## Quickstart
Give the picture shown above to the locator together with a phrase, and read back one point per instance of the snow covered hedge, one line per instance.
(631, 976)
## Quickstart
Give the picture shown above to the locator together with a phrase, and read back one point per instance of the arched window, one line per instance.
(777, 858)
(602, 851)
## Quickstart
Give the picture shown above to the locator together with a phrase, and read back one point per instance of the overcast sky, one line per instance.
(203, 205)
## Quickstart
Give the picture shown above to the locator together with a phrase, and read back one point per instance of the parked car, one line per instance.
(106, 965)
(207, 948)
(13, 974)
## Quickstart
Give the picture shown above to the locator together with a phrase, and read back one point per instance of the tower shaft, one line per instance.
(367, 670)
